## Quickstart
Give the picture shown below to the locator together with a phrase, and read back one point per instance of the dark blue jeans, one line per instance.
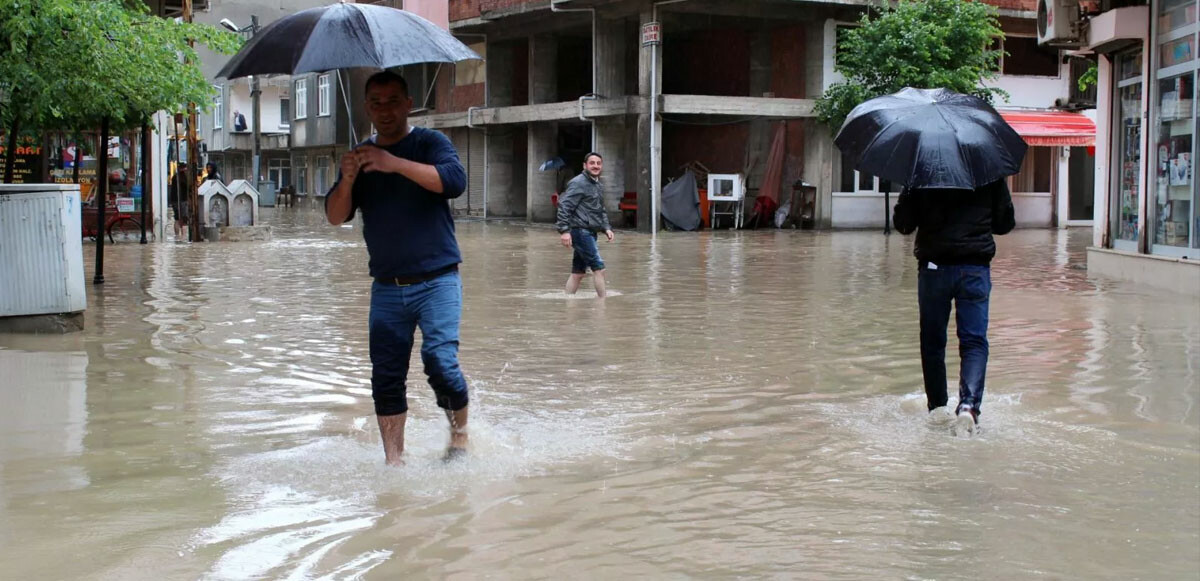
(969, 287)
(396, 312)
(587, 253)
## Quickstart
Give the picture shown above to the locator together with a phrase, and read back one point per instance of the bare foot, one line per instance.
(391, 431)
(454, 454)
(458, 428)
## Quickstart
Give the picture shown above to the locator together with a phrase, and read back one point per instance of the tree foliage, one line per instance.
(915, 43)
(66, 64)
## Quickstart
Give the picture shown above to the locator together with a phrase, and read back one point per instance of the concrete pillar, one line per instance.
(504, 198)
(758, 142)
(500, 74)
(819, 149)
(1061, 185)
(610, 143)
(543, 69)
(543, 145)
(610, 58)
(543, 137)
(610, 132)
(818, 168)
(500, 143)
(646, 61)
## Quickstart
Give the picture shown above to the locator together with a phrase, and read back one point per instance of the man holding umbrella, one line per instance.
(952, 151)
(954, 250)
(402, 180)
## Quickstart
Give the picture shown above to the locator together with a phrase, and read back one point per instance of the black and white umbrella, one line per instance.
(344, 36)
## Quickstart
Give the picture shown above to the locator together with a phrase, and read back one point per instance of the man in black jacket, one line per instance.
(954, 251)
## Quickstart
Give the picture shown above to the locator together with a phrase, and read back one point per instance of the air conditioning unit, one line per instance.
(1058, 22)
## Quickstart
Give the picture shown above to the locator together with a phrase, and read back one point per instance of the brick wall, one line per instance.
(1025, 5)
(721, 148)
(451, 98)
(463, 9)
(714, 62)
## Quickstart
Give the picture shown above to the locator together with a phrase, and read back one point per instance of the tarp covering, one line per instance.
(681, 203)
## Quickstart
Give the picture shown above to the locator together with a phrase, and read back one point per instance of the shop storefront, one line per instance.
(63, 158)
(1147, 187)
(1172, 220)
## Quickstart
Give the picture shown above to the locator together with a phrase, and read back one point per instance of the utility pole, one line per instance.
(255, 93)
(145, 167)
(101, 185)
(192, 158)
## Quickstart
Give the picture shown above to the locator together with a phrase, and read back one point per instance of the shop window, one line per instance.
(1034, 176)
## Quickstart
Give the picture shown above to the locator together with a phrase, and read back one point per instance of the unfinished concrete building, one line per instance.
(654, 86)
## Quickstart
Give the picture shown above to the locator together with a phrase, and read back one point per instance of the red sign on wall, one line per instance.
(651, 33)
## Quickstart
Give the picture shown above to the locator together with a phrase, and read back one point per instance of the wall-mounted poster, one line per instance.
(1181, 170)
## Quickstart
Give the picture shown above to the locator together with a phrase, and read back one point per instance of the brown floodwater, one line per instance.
(745, 404)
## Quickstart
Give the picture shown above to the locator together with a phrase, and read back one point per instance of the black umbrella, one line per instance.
(931, 138)
(342, 36)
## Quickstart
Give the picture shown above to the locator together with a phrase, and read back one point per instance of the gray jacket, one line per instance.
(582, 206)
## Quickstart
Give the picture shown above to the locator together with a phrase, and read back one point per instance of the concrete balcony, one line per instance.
(244, 140)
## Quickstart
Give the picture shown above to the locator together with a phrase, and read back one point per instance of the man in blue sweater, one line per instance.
(402, 180)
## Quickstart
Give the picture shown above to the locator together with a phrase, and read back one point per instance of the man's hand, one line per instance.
(378, 159)
(350, 165)
(609, 233)
(566, 239)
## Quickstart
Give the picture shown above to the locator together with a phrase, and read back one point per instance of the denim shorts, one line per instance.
(587, 253)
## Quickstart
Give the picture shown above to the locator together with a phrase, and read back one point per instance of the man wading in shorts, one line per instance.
(580, 217)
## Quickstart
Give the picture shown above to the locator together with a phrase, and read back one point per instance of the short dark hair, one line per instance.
(590, 154)
(384, 78)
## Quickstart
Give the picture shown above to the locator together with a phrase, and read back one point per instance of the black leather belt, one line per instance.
(416, 278)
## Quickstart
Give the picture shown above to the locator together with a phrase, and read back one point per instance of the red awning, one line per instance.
(1052, 128)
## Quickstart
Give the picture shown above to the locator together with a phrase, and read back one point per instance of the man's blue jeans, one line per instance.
(969, 287)
(396, 311)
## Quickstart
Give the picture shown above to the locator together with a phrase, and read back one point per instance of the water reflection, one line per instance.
(745, 404)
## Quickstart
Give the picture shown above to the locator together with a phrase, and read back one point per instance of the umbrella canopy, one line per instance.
(552, 164)
(931, 138)
(341, 36)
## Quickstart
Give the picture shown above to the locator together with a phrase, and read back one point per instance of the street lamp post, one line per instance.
(255, 93)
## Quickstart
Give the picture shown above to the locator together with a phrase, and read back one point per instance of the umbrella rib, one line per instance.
(884, 128)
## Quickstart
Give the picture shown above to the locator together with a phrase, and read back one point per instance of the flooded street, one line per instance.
(743, 405)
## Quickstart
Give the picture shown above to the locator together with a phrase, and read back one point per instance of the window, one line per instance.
(323, 183)
(1034, 176)
(300, 173)
(285, 112)
(1127, 129)
(301, 98)
(323, 95)
(218, 107)
(473, 71)
(280, 172)
(1173, 216)
(854, 181)
(1027, 58)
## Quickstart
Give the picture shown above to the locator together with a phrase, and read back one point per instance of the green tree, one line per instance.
(69, 64)
(917, 43)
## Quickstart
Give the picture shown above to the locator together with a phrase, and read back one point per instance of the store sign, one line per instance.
(651, 33)
(27, 163)
(125, 205)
